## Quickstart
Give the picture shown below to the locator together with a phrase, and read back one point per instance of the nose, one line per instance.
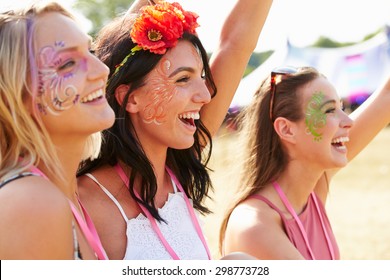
(346, 121)
(202, 94)
(97, 69)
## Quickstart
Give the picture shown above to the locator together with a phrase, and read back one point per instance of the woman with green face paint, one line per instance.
(297, 137)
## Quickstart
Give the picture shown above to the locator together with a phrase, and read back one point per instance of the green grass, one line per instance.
(358, 205)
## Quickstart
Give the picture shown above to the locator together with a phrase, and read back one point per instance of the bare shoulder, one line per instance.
(88, 187)
(108, 220)
(256, 229)
(251, 217)
(91, 195)
(35, 220)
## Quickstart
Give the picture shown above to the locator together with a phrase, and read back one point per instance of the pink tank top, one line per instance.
(312, 224)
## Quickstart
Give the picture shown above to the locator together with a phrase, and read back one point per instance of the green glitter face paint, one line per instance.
(315, 118)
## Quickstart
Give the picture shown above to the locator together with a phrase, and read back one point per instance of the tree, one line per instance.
(99, 12)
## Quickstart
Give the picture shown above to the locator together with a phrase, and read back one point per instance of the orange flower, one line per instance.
(189, 23)
(160, 26)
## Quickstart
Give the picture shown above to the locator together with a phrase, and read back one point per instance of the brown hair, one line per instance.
(265, 157)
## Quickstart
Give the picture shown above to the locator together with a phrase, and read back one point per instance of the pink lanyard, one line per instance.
(87, 226)
(152, 221)
(301, 228)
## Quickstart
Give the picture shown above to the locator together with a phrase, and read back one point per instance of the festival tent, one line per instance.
(356, 71)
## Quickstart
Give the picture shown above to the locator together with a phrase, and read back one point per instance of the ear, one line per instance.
(120, 94)
(286, 129)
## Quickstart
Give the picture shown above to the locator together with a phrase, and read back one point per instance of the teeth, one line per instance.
(341, 148)
(92, 96)
(194, 116)
(340, 140)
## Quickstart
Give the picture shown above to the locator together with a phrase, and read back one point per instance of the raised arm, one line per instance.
(238, 39)
(369, 119)
(137, 4)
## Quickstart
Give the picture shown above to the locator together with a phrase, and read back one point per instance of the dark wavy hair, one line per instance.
(120, 142)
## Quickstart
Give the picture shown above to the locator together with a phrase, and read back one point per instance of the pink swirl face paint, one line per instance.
(56, 69)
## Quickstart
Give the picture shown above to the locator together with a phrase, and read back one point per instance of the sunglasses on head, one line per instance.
(280, 71)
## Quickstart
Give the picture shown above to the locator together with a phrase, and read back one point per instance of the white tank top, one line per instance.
(144, 244)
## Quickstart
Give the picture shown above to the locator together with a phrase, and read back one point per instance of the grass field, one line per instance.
(358, 205)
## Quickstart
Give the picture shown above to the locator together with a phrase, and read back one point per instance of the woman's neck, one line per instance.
(69, 156)
(297, 183)
(158, 159)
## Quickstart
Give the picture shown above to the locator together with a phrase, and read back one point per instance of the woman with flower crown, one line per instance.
(146, 189)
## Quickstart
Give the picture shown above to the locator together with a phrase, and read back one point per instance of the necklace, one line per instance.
(298, 221)
(153, 222)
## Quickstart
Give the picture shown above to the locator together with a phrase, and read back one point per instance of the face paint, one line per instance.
(55, 70)
(315, 118)
(162, 88)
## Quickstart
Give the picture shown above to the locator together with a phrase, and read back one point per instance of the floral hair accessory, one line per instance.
(159, 27)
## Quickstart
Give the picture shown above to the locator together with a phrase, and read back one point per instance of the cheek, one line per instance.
(315, 118)
(57, 91)
(160, 91)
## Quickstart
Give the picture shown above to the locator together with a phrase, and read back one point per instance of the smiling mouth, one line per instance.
(93, 96)
(339, 143)
(189, 118)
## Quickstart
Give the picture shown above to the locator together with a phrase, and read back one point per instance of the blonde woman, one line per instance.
(52, 102)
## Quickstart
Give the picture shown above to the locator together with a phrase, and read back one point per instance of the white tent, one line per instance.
(356, 71)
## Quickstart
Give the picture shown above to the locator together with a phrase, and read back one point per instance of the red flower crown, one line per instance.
(159, 27)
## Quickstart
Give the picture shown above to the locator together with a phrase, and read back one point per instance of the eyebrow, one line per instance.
(180, 69)
(77, 47)
(327, 102)
(70, 49)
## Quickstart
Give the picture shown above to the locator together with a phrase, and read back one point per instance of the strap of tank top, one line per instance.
(295, 216)
(330, 245)
(76, 247)
(270, 204)
(39, 172)
(301, 228)
(16, 177)
(107, 192)
(87, 226)
(151, 219)
(89, 230)
(192, 212)
(174, 185)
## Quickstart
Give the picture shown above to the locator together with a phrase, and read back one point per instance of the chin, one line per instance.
(184, 145)
(341, 163)
(108, 119)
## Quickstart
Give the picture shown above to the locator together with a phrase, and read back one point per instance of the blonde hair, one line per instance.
(24, 140)
(92, 146)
